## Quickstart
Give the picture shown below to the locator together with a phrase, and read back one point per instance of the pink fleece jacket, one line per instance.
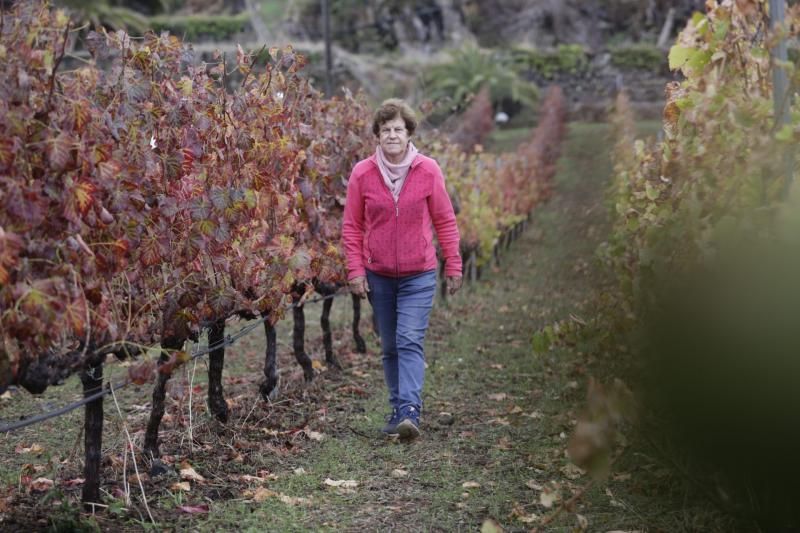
(397, 239)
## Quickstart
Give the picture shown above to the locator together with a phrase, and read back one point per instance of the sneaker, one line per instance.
(391, 422)
(408, 428)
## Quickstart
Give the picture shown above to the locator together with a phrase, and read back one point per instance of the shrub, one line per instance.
(639, 56)
(564, 59)
(196, 27)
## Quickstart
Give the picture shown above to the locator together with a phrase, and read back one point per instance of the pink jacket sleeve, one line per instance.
(353, 228)
(444, 221)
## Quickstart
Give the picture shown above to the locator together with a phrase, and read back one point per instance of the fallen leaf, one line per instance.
(314, 435)
(397, 473)
(470, 485)
(498, 396)
(262, 494)
(188, 473)
(497, 366)
(515, 410)
(341, 483)
(531, 484)
(572, 471)
(504, 444)
(33, 448)
(317, 364)
(41, 484)
(294, 500)
(549, 496)
(6, 395)
(136, 478)
(194, 509)
(299, 471)
(181, 485)
(535, 415)
(499, 421)
(622, 477)
(526, 518)
(490, 526)
(69, 483)
(583, 523)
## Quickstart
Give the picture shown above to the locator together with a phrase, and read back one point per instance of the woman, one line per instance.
(393, 199)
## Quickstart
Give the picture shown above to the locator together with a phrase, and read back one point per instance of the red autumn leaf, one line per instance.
(109, 170)
(76, 316)
(69, 483)
(80, 116)
(187, 162)
(6, 153)
(121, 246)
(60, 151)
(79, 200)
(150, 251)
(10, 246)
(141, 373)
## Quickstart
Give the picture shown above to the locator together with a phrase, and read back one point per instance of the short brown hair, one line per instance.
(393, 108)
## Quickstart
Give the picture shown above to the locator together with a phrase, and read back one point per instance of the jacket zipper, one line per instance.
(396, 221)
(396, 232)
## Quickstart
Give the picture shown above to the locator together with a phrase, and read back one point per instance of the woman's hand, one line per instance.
(454, 283)
(359, 286)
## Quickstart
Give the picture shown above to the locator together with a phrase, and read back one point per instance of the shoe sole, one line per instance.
(407, 430)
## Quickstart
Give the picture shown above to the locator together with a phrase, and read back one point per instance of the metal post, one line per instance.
(326, 31)
(781, 97)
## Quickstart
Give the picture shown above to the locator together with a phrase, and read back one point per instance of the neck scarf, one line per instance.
(394, 174)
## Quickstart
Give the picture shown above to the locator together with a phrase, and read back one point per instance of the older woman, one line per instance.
(394, 199)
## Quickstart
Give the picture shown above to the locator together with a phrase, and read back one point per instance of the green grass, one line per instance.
(478, 347)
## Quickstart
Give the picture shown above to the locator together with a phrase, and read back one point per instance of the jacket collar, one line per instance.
(415, 163)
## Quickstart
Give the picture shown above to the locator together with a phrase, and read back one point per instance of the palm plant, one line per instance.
(112, 13)
(471, 68)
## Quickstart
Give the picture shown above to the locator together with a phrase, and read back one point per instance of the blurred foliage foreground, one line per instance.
(704, 251)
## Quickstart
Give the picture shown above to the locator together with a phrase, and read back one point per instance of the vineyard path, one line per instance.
(512, 409)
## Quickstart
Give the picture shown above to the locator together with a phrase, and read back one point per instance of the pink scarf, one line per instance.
(394, 174)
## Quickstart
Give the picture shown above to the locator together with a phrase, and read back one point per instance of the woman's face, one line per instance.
(393, 138)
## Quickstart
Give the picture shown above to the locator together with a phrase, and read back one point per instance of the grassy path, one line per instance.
(512, 410)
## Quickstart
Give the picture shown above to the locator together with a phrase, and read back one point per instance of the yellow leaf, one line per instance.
(294, 500)
(188, 472)
(549, 496)
(181, 485)
(490, 526)
(262, 494)
(341, 483)
(470, 485)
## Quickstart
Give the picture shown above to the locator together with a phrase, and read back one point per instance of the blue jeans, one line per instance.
(402, 307)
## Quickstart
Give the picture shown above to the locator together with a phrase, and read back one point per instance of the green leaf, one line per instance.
(699, 59)
(652, 192)
(678, 55)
